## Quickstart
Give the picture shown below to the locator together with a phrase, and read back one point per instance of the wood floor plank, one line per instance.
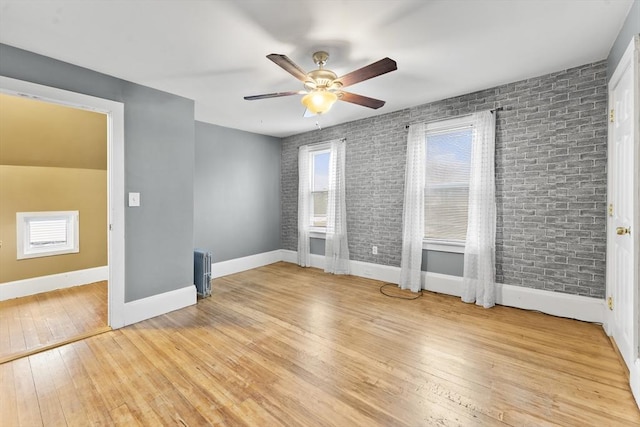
(101, 374)
(8, 396)
(29, 328)
(44, 369)
(281, 345)
(85, 391)
(28, 407)
(127, 380)
(37, 321)
(16, 335)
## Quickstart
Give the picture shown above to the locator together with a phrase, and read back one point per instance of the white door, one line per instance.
(621, 229)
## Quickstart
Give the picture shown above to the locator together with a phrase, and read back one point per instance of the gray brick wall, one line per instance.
(550, 176)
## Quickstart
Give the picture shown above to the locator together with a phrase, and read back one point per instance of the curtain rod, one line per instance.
(493, 110)
(322, 143)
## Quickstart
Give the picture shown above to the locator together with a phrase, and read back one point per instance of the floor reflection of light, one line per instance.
(316, 348)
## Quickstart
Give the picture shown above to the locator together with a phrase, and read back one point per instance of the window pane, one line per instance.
(41, 234)
(449, 157)
(446, 213)
(448, 161)
(319, 212)
(47, 232)
(320, 181)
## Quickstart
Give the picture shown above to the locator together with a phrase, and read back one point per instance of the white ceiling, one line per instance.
(213, 51)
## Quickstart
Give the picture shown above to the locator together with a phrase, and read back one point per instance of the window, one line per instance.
(42, 234)
(447, 171)
(319, 162)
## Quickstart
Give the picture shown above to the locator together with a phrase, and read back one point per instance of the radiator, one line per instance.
(202, 271)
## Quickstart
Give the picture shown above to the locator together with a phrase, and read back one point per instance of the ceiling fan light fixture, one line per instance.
(319, 101)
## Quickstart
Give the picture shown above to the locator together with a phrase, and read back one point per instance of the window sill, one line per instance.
(454, 246)
(317, 233)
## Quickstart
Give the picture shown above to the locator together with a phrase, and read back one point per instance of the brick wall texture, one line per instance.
(551, 157)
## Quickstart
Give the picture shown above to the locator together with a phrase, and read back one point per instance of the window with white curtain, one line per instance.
(42, 234)
(447, 171)
(319, 181)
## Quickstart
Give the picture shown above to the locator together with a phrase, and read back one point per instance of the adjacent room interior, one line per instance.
(54, 161)
(418, 213)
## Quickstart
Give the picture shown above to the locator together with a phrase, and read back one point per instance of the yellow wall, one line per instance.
(52, 158)
(36, 133)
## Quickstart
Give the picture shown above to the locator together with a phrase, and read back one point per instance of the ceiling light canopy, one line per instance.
(319, 101)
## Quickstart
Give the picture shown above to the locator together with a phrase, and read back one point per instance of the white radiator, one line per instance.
(202, 261)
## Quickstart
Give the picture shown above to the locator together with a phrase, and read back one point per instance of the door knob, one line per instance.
(621, 231)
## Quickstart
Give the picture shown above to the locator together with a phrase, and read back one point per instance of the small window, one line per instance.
(319, 187)
(448, 166)
(42, 234)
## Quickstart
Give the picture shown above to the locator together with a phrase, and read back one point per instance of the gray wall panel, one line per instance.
(316, 246)
(159, 158)
(443, 262)
(237, 192)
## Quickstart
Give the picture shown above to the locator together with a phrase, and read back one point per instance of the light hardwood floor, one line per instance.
(37, 321)
(286, 346)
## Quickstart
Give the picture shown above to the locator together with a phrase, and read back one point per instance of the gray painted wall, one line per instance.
(159, 160)
(630, 28)
(550, 179)
(237, 192)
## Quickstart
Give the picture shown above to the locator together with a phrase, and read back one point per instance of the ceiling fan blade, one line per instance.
(365, 101)
(289, 66)
(274, 95)
(383, 66)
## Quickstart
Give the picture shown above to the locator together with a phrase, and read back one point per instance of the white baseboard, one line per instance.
(146, 308)
(554, 303)
(232, 266)
(291, 256)
(37, 285)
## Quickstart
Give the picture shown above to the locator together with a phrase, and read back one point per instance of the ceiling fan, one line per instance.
(323, 87)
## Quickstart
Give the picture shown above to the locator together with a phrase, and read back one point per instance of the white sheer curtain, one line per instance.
(413, 213)
(479, 252)
(336, 248)
(304, 202)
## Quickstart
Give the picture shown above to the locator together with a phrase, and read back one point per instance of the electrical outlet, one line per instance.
(374, 250)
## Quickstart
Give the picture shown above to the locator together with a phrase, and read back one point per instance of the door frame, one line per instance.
(631, 58)
(115, 177)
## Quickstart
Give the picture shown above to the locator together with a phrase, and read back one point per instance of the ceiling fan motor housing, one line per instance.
(321, 79)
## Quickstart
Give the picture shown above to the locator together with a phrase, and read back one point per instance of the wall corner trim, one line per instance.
(634, 380)
(37, 285)
(146, 308)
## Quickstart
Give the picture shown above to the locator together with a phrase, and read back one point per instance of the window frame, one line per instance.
(443, 126)
(24, 249)
(324, 148)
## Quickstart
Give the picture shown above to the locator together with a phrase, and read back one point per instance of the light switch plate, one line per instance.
(134, 199)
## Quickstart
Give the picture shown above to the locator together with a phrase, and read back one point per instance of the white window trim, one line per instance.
(318, 232)
(22, 227)
(439, 245)
(449, 124)
(446, 125)
(325, 147)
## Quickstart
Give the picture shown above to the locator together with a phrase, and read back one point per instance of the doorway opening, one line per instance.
(107, 265)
